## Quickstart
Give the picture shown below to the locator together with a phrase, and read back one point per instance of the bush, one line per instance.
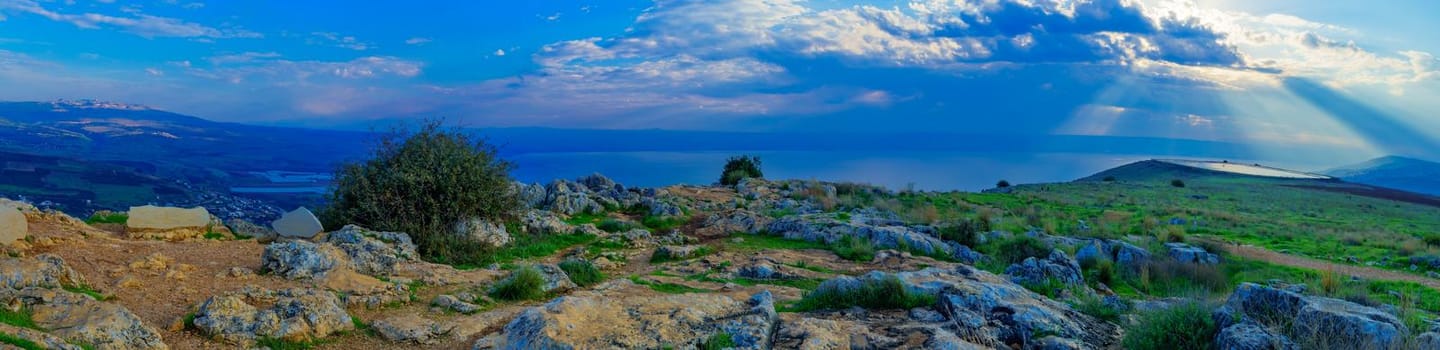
(740, 168)
(885, 293)
(719, 341)
(1109, 179)
(1002, 184)
(612, 225)
(1019, 247)
(582, 272)
(421, 183)
(1177, 183)
(1432, 239)
(1095, 306)
(524, 284)
(107, 217)
(1182, 327)
(854, 249)
(965, 232)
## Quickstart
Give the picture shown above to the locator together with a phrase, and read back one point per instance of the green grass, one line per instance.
(112, 218)
(363, 328)
(523, 284)
(798, 283)
(803, 265)
(22, 319)
(718, 341)
(763, 242)
(87, 290)
(585, 218)
(1050, 287)
(20, 343)
(582, 272)
(662, 223)
(281, 344)
(1182, 327)
(854, 249)
(528, 246)
(667, 288)
(886, 293)
(1094, 306)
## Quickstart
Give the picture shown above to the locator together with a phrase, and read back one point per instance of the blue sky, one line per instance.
(1359, 76)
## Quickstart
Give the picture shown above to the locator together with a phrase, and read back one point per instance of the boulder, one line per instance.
(1428, 341)
(13, 226)
(83, 319)
(678, 252)
(298, 223)
(302, 260)
(1057, 266)
(1249, 335)
(598, 183)
(556, 280)
(531, 195)
(411, 329)
(484, 231)
(1312, 320)
(544, 222)
(247, 229)
(373, 252)
(43, 271)
(455, 303)
(661, 208)
(1129, 257)
(1191, 254)
(733, 221)
(1095, 250)
(634, 322)
(167, 223)
(883, 232)
(293, 314)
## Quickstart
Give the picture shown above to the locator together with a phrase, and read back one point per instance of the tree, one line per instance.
(422, 182)
(1177, 183)
(739, 168)
(1002, 184)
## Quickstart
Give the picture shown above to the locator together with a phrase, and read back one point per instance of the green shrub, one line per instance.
(105, 217)
(885, 293)
(1182, 327)
(613, 225)
(523, 284)
(662, 223)
(1002, 184)
(1094, 306)
(422, 183)
(1173, 278)
(740, 168)
(718, 341)
(1015, 249)
(1050, 287)
(1109, 179)
(855, 249)
(22, 318)
(1432, 239)
(582, 272)
(1100, 270)
(1177, 183)
(965, 232)
(282, 344)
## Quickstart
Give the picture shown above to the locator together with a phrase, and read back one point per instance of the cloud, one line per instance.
(337, 40)
(499, 52)
(240, 58)
(417, 41)
(140, 24)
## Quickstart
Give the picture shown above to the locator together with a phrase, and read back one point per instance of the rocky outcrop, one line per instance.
(883, 232)
(1249, 335)
(43, 271)
(298, 223)
(301, 260)
(244, 228)
(83, 319)
(1310, 321)
(544, 222)
(293, 314)
(483, 231)
(732, 221)
(13, 226)
(681, 321)
(456, 303)
(678, 252)
(1125, 255)
(1186, 253)
(1057, 267)
(171, 224)
(373, 252)
(412, 329)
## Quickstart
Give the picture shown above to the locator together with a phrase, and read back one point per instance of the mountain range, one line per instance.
(1410, 174)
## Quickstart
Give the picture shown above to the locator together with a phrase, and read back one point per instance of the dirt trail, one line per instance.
(1366, 272)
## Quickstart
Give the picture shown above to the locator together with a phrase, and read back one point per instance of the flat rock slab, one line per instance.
(299, 223)
(167, 218)
(13, 226)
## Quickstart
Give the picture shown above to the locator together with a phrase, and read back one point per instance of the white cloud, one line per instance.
(417, 41)
(240, 57)
(154, 72)
(337, 40)
(499, 52)
(141, 24)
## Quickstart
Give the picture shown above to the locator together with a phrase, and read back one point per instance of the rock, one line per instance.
(294, 314)
(762, 270)
(298, 223)
(555, 278)
(544, 222)
(1129, 257)
(672, 252)
(531, 195)
(373, 252)
(80, 318)
(1251, 336)
(1057, 266)
(261, 234)
(240, 272)
(598, 183)
(1191, 254)
(661, 208)
(44, 340)
(926, 315)
(1093, 250)
(43, 271)
(484, 231)
(167, 223)
(411, 329)
(1428, 341)
(682, 321)
(732, 221)
(569, 199)
(1315, 320)
(454, 303)
(882, 232)
(302, 260)
(13, 226)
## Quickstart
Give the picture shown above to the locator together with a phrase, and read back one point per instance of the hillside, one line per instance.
(1397, 172)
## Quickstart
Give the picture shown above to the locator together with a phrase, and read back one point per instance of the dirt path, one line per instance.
(1366, 272)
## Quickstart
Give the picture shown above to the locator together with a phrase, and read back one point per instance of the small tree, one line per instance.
(1109, 179)
(1177, 183)
(740, 168)
(422, 183)
(1002, 184)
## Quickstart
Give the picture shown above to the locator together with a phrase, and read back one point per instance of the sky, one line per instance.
(1356, 76)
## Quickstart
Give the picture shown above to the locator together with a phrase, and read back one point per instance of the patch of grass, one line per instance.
(1182, 327)
(613, 225)
(527, 246)
(282, 344)
(667, 288)
(662, 223)
(854, 249)
(1094, 306)
(524, 284)
(582, 272)
(87, 290)
(585, 218)
(718, 341)
(762, 242)
(110, 218)
(1016, 249)
(885, 293)
(1050, 287)
(362, 327)
(19, 342)
(22, 318)
(803, 265)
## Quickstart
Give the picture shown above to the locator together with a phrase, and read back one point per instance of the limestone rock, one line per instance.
(168, 223)
(641, 322)
(1251, 336)
(673, 252)
(485, 231)
(455, 303)
(1314, 320)
(245, 228)
(732, 221)
(544, 222)
(882, 231)
(373, 252)
(301, 259)
(1191, 254)
(13, 226)
(1057, 266)
(43, 271)
(298, 223)
(411, 329)
(556, 280)
(293, 314)
(80, 318)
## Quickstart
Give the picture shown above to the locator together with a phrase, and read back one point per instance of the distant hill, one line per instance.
(1160, 173)
(1410, 174)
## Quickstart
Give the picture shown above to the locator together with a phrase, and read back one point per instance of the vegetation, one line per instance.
(718, 341)
(662, 223)
(87, 290)
(1002, 184)
(422, 183)
(282, 344)
(582, 272)
(19, 342)
(523, 284)
(966, 232)
(740, 168)
(108, 218)
(1182, 327)
(527, 246)
(1017, 248)
(1095, 306)
(699, 252)
(854, 249)
(667, 288)
(1177, 183)
(22, 318)
(885, 293)
(760, 242)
